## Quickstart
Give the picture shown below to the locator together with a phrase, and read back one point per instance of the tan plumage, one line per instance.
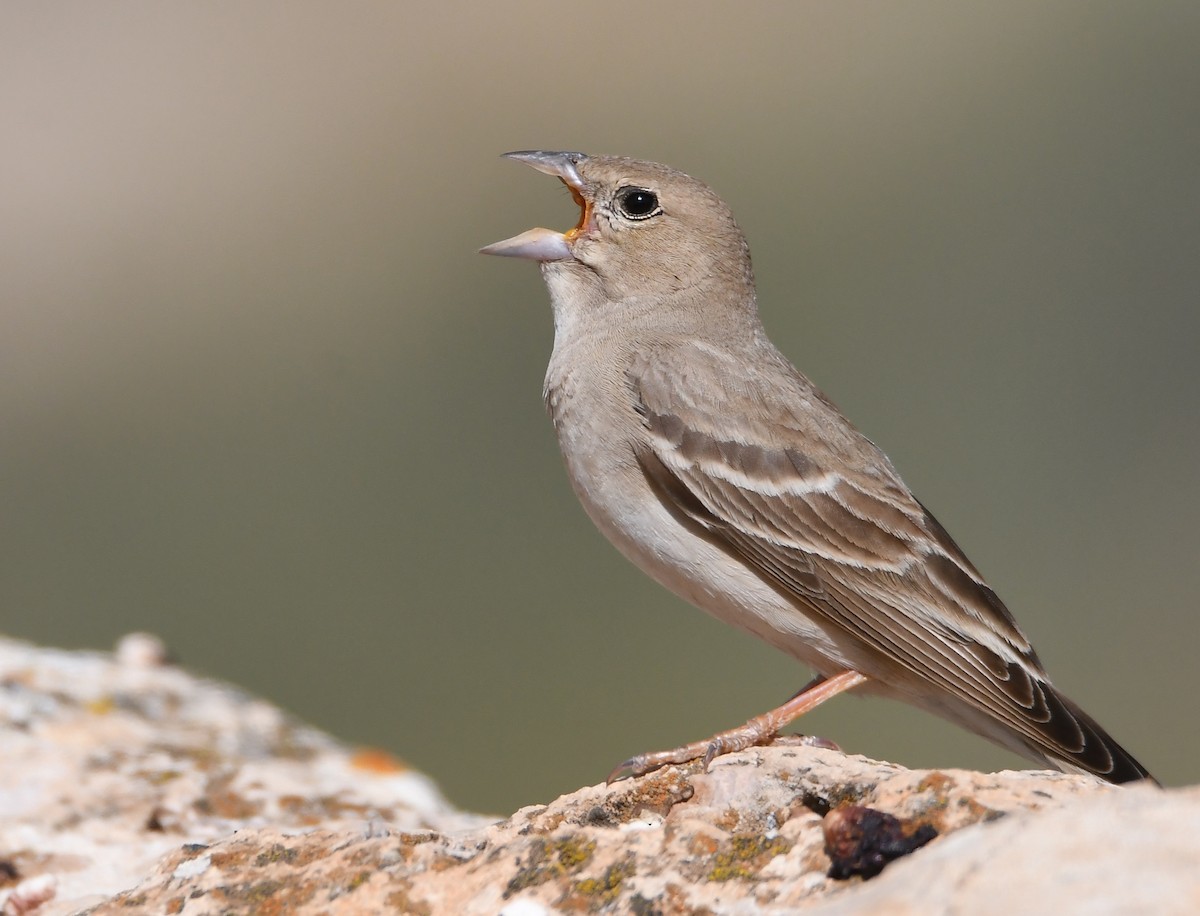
(720, 470)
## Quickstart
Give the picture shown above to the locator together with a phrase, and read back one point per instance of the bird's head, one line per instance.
(645, 232)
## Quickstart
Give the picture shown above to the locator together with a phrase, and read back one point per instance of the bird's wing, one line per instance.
(770, 470)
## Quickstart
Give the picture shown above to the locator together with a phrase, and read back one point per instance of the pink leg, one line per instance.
(759, 730)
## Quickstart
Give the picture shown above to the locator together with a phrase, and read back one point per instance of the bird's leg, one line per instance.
(759, 730)
(819, 679)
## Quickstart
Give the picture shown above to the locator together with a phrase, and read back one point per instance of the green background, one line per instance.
(259, 395)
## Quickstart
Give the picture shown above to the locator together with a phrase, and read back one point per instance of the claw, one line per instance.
(818, 741)
(633, 765)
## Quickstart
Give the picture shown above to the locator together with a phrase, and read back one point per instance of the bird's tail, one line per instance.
(1075, 742)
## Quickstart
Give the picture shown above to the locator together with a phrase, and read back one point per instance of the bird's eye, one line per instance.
(638, 203)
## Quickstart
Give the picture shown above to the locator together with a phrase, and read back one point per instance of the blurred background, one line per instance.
(259, 395)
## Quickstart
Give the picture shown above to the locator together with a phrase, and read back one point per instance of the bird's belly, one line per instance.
(692, 567)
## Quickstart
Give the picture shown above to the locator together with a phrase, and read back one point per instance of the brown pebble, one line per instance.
(861, 841)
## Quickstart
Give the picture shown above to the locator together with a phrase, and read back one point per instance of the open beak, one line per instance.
(546, 244)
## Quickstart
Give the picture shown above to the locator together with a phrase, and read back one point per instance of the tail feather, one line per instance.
(1075, 741)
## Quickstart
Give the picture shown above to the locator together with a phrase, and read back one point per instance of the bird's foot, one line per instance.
(759, 730)
(753, 733)
(736, 739)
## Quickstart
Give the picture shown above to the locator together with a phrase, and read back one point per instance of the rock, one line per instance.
(107, 766)
(137, 788)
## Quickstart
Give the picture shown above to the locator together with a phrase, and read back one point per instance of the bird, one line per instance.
(720, 470)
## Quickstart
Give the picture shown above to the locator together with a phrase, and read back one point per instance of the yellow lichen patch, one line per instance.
(594, 893)
(744, 856)
(101, 706)
(275, 854)
(549, 860)
(572, 852)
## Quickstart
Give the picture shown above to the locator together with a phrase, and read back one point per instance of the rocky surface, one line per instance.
(108, 763)
(128, 786)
